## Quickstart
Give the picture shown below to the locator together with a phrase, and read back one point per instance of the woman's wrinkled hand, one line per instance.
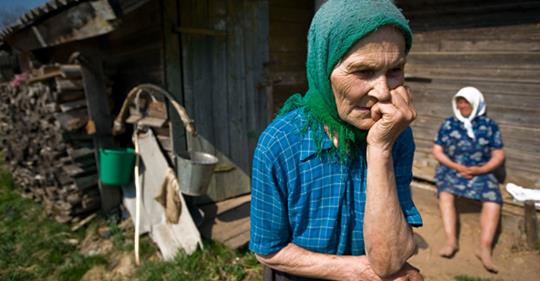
(406, 273)
(364, 272)
(391, 118)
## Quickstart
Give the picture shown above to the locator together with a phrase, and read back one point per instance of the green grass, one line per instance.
(468, 278)
(215, 262)
(34, 247)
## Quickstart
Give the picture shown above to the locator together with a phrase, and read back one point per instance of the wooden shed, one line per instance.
(210, 55)
(230, 63)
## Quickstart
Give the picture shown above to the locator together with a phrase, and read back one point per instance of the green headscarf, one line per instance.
(335, 28)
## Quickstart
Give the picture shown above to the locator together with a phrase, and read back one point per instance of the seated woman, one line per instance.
(468, 147)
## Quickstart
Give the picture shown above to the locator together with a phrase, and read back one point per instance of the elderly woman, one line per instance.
(469, 148)
(331, 174)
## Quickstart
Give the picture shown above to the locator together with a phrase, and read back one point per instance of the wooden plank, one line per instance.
(198, 83)
(72, 105)
(474, 20)
(236, 87)
(466, 7)
(507, 60)
(68, 84)
(220, 137)
(215, 209)
(81, 153)
(184, 233)
(256, 53)
(518, 32)
(478, 73)
(487, 45)
(454, 84)
(220, 108)
(173, 70)
(230, 228)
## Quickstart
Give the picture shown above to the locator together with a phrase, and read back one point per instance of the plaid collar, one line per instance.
(308, 148)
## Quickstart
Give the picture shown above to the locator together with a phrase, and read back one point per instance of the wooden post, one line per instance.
(173, 70)
(530, 224)
(100, 115)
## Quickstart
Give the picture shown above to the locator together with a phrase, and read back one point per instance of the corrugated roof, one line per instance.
(38, 13)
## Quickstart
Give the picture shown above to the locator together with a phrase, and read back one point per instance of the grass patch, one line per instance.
(468, 278)
(215, 262)
(32, 246)
(78, 265)
(35, 247)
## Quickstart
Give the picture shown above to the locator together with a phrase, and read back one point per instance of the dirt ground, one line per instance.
(514, 261)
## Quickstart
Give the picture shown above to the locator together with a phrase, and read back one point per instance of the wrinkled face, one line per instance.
(367, 74)
(464, 107)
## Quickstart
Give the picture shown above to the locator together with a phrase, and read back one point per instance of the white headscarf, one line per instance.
(476, 99)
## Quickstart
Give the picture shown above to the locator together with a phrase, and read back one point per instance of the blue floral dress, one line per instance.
(462, 149)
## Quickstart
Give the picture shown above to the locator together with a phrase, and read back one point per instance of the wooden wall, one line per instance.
(134, 48)
(224, 48)
(289, 24)
(491, 45)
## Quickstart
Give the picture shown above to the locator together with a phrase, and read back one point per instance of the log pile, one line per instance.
(46, 142)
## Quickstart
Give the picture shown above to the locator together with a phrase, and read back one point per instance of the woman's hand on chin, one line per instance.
(391, 118)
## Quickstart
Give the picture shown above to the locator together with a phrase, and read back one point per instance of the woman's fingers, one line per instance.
(376, 112)
(402, 100)
(391, 117)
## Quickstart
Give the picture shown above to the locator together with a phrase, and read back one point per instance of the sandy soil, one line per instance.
(514, 261)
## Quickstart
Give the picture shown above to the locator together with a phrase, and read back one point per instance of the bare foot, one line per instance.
(484, 255)
(448, 251)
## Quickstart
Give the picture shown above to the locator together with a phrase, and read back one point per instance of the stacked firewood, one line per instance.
(45, 138)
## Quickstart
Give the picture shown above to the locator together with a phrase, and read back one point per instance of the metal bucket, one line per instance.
(194, 171)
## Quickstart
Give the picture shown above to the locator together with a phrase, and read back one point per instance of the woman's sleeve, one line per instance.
(269, 221)
(496, 141)
(403, 160)
(441, 136)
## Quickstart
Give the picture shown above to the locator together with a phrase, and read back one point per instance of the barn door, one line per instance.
(224, 47)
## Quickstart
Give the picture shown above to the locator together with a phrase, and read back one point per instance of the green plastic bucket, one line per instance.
(116, 165)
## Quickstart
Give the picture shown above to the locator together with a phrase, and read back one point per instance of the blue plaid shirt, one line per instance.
(313, 200)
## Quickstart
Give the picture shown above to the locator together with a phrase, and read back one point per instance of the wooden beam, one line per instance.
(85, 20)
(100, 113)
(530, 224)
